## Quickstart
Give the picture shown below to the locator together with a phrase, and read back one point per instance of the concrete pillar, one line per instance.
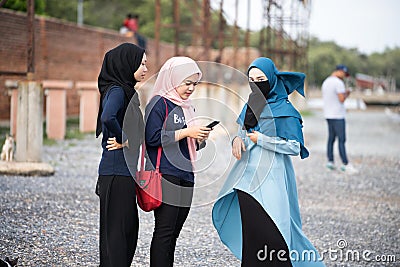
(29, 134)
(56, 107)
(88, 105)
(12, 87)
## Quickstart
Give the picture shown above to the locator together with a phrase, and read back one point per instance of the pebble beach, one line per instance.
(353, 220)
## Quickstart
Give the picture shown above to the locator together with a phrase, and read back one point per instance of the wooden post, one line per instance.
(29, 125)
(176, 25)
(31, 40)
(195, 23)
(206, 29)
(221, 31)
(235, 35)
(247, 37)
(157, 28)
(268, 41)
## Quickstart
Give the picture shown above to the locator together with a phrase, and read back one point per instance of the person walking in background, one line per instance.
(131, 22)
(122, 68)
(334, 94)
(257, 214)
(179, 137)
(130, 28)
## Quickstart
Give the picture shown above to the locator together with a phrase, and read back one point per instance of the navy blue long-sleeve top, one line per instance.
(113, 162)
(175, 157)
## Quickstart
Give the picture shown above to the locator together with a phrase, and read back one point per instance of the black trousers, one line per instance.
(169, 220)
(262, 240)
(119, 222)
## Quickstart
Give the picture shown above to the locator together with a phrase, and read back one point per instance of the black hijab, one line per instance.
(119, 66)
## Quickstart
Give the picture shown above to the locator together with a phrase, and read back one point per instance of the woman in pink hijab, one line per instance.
(170, 124)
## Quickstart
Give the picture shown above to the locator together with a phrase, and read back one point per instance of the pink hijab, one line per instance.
(174, 71)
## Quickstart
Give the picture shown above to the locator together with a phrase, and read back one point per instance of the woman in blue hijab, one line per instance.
(257, 214)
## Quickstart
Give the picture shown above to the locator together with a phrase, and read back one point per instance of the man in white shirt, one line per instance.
(334, 94)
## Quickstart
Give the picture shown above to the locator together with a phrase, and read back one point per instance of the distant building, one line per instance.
(367, 82)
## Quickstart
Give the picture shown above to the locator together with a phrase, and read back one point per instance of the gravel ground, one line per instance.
(53, 221)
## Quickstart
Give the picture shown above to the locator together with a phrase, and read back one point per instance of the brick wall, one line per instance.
(66, 51)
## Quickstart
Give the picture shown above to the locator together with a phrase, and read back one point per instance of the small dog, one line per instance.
(7, 151)
(8, 263)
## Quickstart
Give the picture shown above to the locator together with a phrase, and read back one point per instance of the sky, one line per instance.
(368, 25)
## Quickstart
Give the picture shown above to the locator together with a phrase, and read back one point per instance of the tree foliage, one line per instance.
(322, 56)
(21, 5)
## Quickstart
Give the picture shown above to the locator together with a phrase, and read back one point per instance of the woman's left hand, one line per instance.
(113, 144)
(253, 136)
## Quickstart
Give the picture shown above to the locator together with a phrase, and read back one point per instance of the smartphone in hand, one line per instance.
(213, 124)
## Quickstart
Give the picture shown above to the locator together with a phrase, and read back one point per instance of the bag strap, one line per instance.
(159, 148)
(142, 156)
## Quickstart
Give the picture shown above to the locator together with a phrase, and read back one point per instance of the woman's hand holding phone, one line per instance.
(197, 132)
(200, 133)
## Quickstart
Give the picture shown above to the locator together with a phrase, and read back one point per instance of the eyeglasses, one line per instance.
(189, 83)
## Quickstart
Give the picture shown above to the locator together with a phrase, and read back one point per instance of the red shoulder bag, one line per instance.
(148, 183)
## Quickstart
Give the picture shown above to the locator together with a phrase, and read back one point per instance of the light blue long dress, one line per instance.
(265, 172)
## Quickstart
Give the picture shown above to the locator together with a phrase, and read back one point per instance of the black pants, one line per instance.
(169, 220)
(119, 222)
(261, 238)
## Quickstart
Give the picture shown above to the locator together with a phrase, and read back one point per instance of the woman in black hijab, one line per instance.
(121, 122)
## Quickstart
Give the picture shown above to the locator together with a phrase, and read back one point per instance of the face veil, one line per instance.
(256, 102)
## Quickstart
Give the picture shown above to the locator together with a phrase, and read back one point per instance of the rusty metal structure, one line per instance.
(283, 36)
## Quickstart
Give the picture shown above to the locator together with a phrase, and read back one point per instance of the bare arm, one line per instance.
(198, 132)
(342, 96)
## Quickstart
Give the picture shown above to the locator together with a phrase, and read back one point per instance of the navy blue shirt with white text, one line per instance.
(175, 157)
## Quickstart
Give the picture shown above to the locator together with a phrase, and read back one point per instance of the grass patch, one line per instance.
(73, 122)
(49, 142)
(72, 131)
(74, 134)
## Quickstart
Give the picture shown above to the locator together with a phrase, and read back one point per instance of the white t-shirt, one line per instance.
(333, 108)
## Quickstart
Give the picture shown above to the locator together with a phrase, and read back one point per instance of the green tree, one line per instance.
(385, 64)
(66, 10)
(324, 56)
(21, 5)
